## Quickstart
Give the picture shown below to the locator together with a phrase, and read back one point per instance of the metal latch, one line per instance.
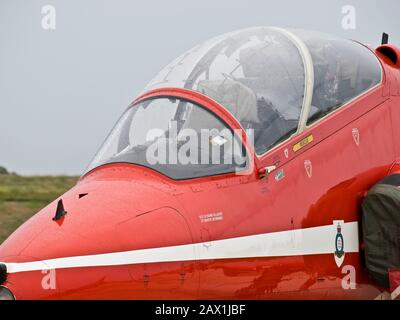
(265, 172)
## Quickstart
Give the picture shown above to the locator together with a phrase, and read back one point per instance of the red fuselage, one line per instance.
(133, 233)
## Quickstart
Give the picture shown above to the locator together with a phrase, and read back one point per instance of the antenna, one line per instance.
(385, 38)
(60, 211)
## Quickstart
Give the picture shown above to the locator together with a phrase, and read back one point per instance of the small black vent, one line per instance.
(3, 273)
(390, 53)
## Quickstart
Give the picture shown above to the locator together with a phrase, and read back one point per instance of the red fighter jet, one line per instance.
(240, 172)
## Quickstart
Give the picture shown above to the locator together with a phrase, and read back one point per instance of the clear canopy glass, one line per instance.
(260, 76)
(257, 74)
(343, 70)
(275, 82)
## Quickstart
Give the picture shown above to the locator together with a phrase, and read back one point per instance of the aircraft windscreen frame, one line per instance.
(194, 142)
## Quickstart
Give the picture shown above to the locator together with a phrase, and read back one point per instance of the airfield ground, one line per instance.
(22, 197)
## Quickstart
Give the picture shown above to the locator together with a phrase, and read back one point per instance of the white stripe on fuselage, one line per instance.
(309, 241)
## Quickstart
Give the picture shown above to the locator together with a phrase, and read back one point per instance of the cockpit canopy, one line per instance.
(275, 82)
(266, 77)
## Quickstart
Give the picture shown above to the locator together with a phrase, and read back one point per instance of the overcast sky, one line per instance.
(62, 90)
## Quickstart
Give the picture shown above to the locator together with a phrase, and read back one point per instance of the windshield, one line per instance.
(175, 137)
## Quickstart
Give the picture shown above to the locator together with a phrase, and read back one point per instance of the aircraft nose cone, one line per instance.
(93, 210)
(86, 247)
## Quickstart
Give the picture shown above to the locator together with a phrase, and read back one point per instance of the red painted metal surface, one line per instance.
(128, 207)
